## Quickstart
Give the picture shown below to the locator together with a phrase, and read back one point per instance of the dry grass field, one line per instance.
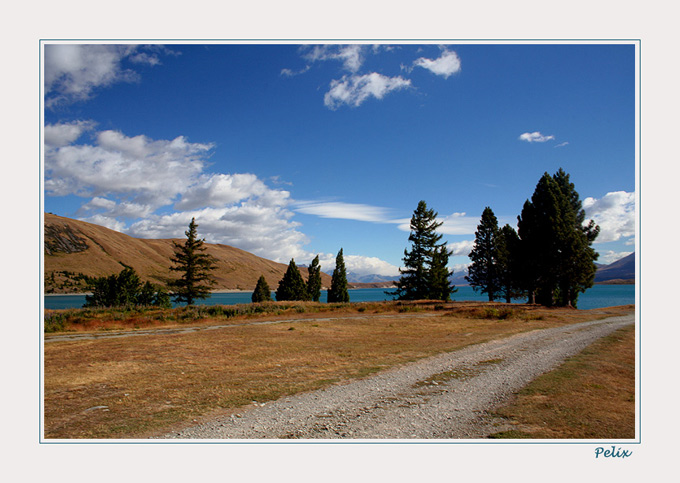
(592, 395)
(136, 387)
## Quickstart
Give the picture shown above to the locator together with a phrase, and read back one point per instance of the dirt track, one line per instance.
(447, 396)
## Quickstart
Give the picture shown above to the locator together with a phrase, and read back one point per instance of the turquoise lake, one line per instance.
(596, 297)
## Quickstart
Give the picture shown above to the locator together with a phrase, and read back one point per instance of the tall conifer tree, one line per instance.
(262, 292)
(439, 275)
(555, 243)
(196, 268)
(338, 292)
(292, 286)
(508, 267)
(314, 280)
(483, 272)
(414, 283)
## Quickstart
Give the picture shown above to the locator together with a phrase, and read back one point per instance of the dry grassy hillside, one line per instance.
(75, 247)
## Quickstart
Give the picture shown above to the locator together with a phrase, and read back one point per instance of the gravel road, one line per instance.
(442, 397)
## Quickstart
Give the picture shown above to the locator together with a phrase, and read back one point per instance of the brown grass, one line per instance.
(592, 395)
(140, 386)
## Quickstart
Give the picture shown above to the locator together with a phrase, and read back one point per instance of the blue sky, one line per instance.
(289, 150)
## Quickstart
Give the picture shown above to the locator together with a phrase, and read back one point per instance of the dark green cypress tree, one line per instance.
(555, 243)
(292, 286)
(338, 292)
(414, 283)
(483, 271)
(314, 280)
(196, 268)
(262, 292)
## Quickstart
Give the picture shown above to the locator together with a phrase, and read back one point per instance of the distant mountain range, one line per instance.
(621, 271)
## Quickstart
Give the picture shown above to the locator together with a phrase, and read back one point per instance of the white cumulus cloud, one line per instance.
(614, 214)
(150, 171)
(353, 90)
(535, 137)
(63, 134)
(263, 230)
(445, 65)
(359, 265)
(126, 180)
(73, 72)
(461, 249)
(221, 189)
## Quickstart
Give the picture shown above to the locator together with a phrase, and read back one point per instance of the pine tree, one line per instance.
(483, 272)
(439, 275)
(262, 292)
(338, 292)
(414, 283)
(195, 266)
(577, 270)
(314, 280)
(292, 286)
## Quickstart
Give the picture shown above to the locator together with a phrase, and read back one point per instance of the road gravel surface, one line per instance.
(448, 396)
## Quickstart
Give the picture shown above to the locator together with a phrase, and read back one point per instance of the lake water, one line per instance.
(596, 297)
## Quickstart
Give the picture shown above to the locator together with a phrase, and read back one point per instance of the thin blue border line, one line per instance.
(638, 308)
(41, 286)
(639, 251)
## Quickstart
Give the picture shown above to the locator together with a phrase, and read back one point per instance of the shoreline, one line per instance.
(226, 290)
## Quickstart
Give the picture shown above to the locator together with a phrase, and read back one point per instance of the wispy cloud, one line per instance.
(445, 65)
(453, 224)
(344, 211)
(562, 144)
(355, 89)
(292, 73)
(351, 56)
(535, 137)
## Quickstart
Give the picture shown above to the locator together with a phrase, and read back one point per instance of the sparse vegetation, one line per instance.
(125, 290)
(154, 382)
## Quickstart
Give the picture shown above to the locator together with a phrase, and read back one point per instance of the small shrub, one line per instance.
(54, 322)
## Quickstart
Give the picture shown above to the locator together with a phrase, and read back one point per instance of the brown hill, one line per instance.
(75, 248)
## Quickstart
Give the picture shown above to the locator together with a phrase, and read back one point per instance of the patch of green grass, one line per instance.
(462, 373)
(512, 434)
